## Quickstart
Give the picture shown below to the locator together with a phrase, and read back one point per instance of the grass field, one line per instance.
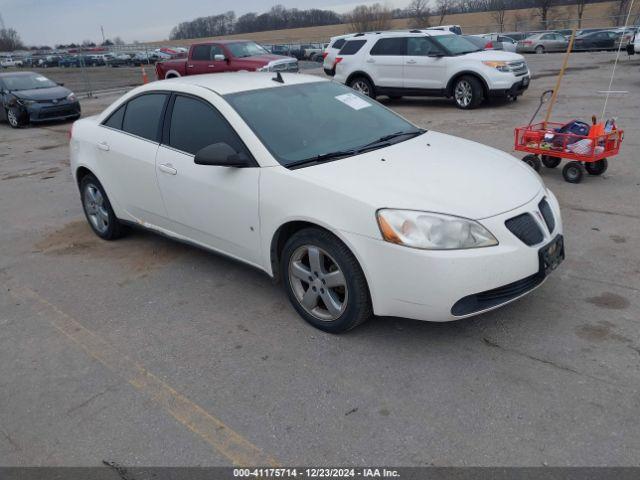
(595, 15)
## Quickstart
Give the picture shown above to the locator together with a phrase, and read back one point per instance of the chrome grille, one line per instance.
(519, 68)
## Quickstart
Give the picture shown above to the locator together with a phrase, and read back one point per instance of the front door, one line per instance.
(211, 205)
(202, 60)
(422, 69)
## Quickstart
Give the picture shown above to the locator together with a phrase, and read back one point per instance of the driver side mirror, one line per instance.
(218, 57)
(221, 155)
(436, 54)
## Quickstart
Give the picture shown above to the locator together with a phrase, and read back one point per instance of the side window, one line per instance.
(115, 119)
(419, 46)
(143, 114)
(352, 47)
(201, 52)
(547, 36)
(338, 43)
(195, 124)
(215, 50)
(389, 46)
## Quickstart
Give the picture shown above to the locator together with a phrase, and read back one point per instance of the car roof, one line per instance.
(17, 74)
(224, 42)
(401, 33)
(234, 82)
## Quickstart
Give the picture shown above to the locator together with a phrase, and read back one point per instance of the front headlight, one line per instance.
(263, 69)
(500, 66)
(25, 102)
(71, 97)
(432, 231)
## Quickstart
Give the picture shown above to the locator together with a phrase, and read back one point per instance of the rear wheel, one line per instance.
(539, 49)
(573, 172)
(468, 92)
(596, 168)
(551, 162)
(363, 85)
(98, 210)
(324, 281)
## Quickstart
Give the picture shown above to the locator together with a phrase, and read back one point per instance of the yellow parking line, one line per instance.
(227, 442)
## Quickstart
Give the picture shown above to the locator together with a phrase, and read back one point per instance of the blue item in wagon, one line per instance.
(576, 127)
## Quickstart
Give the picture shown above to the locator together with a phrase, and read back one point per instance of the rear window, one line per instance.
(389, 46)
(142, 116)
(338, 43)
(352, 47)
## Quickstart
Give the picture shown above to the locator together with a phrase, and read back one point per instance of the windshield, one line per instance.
(246, 49)
(27, 82)
(455, 44)
(304, 121)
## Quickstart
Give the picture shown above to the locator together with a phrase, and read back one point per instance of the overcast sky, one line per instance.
(50, 22)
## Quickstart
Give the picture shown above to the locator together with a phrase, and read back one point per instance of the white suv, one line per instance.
(430, 63)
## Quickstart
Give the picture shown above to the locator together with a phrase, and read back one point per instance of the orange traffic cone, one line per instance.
(145, 79)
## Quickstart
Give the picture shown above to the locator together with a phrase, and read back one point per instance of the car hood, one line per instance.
(496, 55)
(433, 172)
(42, 93)
(266, 58)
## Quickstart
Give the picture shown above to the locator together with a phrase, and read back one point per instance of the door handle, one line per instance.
(371, 60)
(211, 66)
(189, 66)
(167, 168)
(411, 61)
(103, 146)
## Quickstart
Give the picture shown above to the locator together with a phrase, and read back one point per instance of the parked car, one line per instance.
(602, 40)
(225, 56)
(331, 52)
(543, 43)
(456, 29)
(69, 61)
(430, 64)
(8, 62)
(312, 52)
(634, 45)
(30, 97)
(495, 41)
(49, 61)
(517, 36)
(347, 234)
(143, 58)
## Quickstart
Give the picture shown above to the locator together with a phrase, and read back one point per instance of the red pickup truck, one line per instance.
(225, 56)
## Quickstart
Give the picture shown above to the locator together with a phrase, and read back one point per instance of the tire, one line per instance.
(540, 49)
(98, 210)
(363, 85)
(468, 92)
(307, 288)
(15, 117)
(533, 161)
(550, 162)
(573, 172)
(596, 168)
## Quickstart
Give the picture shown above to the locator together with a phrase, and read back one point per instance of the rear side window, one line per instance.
(142, 116)
(389, 46)
(338, 43)
(115, 120)
(195, 124)
(352, 47)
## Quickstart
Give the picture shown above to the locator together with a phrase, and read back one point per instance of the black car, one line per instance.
(603, 40)
(30, 97)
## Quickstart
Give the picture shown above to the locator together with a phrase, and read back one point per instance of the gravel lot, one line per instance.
(148, 352)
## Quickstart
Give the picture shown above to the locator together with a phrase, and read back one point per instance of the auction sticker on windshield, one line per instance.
(353, 100)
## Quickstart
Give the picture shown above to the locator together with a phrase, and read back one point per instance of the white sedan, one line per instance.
(353, 208)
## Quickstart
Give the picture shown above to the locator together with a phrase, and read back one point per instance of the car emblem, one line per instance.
(55, 100)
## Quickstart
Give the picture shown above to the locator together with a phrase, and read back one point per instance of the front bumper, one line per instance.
(41, 112)
(515, 90)
(426, 285)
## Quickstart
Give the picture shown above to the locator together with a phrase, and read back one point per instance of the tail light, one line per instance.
(338, 60)
(70, 133)
(527, 42)
(324, 54)
(488, 46)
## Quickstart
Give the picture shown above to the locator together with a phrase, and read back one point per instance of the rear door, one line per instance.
(421, 70)
(212, 205)
(127, 144)
(385, 61)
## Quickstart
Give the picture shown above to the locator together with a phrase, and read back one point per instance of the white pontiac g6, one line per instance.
(354, 209)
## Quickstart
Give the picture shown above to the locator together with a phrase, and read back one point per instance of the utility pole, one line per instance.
(102, 31)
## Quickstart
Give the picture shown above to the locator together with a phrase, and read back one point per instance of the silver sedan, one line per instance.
(542, 43)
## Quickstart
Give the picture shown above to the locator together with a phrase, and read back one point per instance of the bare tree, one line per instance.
(619, 10)
(542, 7)
(10, 40)
(580, 4)
(365, 18)
(443, 8)
(498, 9)
(419, 12)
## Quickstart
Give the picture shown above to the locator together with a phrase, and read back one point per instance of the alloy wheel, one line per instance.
(318, 283)
(12, 118)
(361, 86)
(463, 93)
(95, 207)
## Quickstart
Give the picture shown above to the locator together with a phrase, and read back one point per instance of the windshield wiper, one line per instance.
(391, 136)
(323, 157)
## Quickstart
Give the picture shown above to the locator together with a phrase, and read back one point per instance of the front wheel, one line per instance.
(16, 117)
(364, 86)
(98, 210)
(324, 281)
(468, 92)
